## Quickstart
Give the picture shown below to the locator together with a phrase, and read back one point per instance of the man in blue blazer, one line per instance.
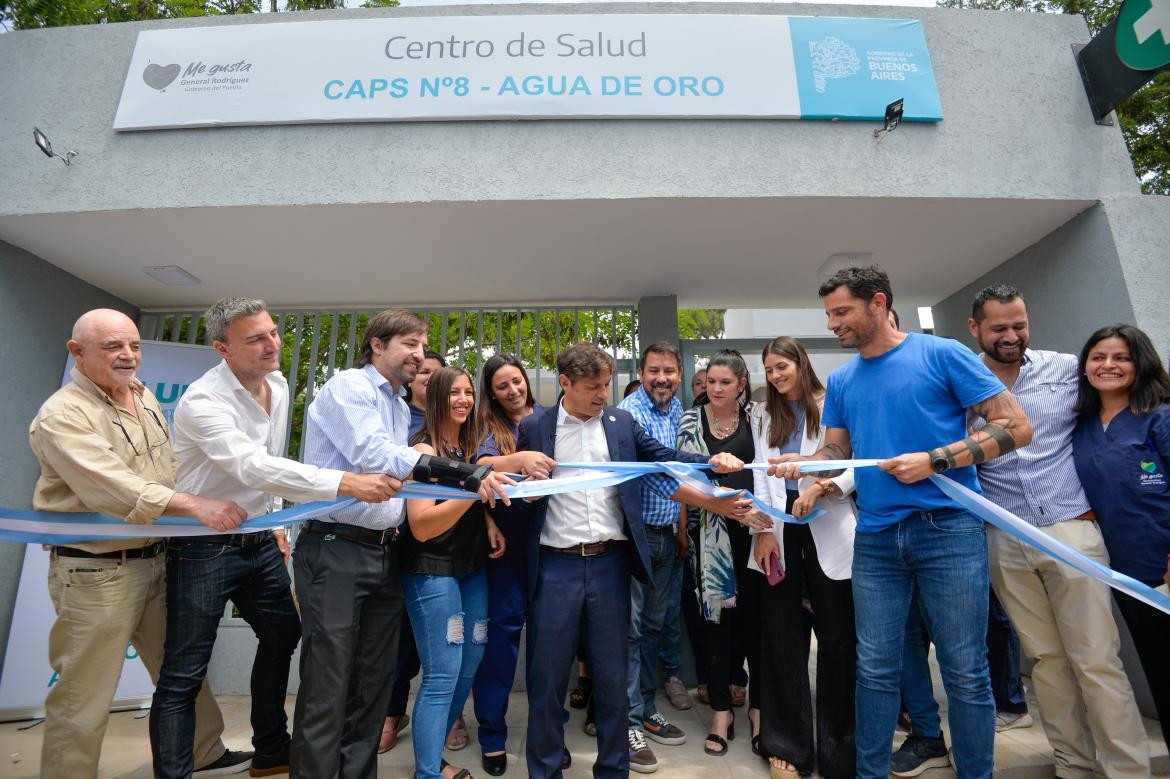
(584, 546)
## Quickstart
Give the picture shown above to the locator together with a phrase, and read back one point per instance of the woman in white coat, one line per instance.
(813, 559)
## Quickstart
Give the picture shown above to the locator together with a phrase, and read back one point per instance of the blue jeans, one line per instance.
(944, 554)
(648, 608)
(202, 575)
(450, 620)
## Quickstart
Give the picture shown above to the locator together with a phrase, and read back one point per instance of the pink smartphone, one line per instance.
(775, 570)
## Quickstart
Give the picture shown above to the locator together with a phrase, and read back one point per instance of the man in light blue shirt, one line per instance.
(346, 570)
(1063, 616)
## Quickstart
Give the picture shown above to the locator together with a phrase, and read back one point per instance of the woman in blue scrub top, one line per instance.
(1122, 449)
(505, 398)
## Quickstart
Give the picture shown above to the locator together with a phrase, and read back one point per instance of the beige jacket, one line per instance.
(97, 457)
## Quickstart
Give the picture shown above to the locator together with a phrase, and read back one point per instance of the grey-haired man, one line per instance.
(230, 435)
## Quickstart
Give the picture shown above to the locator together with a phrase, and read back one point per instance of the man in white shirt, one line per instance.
(582, 549)
(231, 430)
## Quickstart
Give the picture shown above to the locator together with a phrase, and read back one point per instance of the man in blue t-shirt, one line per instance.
(902, 400)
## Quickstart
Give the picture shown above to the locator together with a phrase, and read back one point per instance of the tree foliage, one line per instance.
(30, 14)
(1144, 117)
(317, 345)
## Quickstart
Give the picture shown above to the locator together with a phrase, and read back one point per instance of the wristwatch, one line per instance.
(938, 461)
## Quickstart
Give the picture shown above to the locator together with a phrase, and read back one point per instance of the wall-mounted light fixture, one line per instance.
(46, 146)
(893, 118)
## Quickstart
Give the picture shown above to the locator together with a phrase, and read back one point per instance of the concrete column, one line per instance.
(1097, 269)
(1073, 279)
(38, 305)
(657, 320)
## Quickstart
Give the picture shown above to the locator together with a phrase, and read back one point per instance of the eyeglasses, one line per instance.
(150, 446)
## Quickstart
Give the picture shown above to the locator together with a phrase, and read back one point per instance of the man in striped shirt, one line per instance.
(1063, 617)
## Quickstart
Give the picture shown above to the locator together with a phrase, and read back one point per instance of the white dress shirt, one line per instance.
(229, 448)
(586, 516)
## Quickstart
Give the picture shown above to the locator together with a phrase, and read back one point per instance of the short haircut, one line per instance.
(583, 359)
(386, 325)
(224, 311)
(1004, 293)
(430, 355)
(862, 283)
(661, 347)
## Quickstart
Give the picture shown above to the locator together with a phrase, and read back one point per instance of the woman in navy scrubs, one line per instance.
(504, 399)
(1122, 450)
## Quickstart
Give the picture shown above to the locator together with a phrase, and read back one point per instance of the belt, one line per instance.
(142, 553)
(663, 528)
(241, 540)
(584, 550)
(354, 533)
(1089, 515)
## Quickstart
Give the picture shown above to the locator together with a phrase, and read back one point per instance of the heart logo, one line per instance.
(160, 77)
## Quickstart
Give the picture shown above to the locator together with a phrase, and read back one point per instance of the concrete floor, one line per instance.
(1018, 753)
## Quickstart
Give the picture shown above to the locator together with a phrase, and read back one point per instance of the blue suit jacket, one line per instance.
(627, 442)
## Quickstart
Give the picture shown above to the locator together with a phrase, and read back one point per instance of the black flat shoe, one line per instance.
(566, 760)
(463, 772)
(579, 698)
(495, 765)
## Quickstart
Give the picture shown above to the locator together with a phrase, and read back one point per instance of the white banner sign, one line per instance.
(167, 370)
(548, 66)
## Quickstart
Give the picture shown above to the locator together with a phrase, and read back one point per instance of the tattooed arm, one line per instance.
(837, 447)
(1007, 428)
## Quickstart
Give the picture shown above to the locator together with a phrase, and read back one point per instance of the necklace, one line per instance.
(726, 428)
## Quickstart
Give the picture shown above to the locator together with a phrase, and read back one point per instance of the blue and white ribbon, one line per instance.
(64, 528)
(1019, 529)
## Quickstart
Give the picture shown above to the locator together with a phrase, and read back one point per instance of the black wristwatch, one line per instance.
(938, 461)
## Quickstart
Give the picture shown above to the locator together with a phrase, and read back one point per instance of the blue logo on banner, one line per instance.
(853, 68)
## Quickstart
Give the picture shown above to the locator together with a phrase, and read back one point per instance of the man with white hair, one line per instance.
(103, 446)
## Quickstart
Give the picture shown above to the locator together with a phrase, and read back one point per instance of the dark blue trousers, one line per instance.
(575, 595)
(507, 580)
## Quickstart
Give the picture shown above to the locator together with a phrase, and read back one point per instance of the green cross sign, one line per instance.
(1143, 33)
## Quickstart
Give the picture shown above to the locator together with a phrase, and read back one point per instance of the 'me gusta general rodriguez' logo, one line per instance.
(198, 76)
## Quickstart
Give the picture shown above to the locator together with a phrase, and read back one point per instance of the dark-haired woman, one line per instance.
(505, 398)
(1121, 448)
(816, 560)
(728, 592)
(444, 555)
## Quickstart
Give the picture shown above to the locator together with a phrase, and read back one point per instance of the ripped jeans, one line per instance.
(450, 617)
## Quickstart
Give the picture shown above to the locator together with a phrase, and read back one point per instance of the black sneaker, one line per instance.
(230, 762)
(269, 765)
(917, 754)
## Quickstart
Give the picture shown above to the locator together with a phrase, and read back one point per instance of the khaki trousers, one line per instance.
(102, 606)
(1065, 623)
